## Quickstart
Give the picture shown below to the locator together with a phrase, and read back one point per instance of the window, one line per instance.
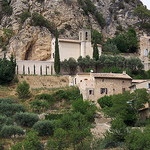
(146, 52)
(53, 55)
(91, 92)
(123, 90)
(103, 80)
(103, 90)
(75, 80)
(122, 81)
(86, 36)
(80, 80)
(148, 85)
(80, 36)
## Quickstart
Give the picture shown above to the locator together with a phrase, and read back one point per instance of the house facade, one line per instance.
(140, 84)
(144, 51)
(97, 85)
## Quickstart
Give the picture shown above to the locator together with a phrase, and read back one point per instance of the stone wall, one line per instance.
(114, 86)
(38, 81)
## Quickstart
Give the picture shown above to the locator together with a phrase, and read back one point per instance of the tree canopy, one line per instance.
(7, 70)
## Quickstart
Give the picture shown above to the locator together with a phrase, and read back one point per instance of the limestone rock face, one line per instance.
(31, 43)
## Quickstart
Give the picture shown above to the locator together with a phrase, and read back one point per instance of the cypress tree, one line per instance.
(95, 51)
(57, 58)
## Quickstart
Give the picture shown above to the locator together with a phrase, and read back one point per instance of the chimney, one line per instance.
(124, 73)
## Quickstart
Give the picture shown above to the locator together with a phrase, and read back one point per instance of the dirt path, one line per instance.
(101, 124)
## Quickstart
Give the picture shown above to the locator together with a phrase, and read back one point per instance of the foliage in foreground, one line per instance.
(8, 131)
(125, 105)
(26, 119)
(31, 142)
(44, 128)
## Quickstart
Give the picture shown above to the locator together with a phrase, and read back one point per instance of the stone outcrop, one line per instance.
(33, 43)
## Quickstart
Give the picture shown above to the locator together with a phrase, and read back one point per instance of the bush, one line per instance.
(140, 123)
(136, 140)
(39, 106)
(60, 140)
(8, 131)
(40, 1)
(1, 147)
(5, 121)
(85, 108)
(49, 98)
(7, 70)
(31, 142)
(44, 128)
(39, 20)
(23, 90)
(70, 94)
(105, 101)
(26, 119)
(9, 101)
(53, 116)
(6, 8)
(24, 15)
(10, 109)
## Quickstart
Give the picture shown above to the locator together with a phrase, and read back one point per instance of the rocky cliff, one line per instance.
(30, 42)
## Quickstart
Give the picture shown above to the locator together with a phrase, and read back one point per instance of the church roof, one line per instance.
(111, 75)
(69, 41)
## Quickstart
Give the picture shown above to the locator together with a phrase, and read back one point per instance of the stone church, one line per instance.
(75, 48)
(67, 48)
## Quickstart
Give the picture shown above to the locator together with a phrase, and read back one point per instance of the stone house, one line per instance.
(144, 51)
(96, 85)
(140, 84)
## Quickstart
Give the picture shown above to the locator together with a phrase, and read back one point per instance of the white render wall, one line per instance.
(27, 67)
(68, 49)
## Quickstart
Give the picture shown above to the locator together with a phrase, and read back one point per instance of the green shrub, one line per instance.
(85, 108)
(105, 101)
(10, 109)
(39, 20)
(136, 140)
(6, 8)
(5, 121)
(9, 101)
(40, 1)
(70, 94)
(23, 90)
(8, 131)
(44, 128)
(39, 106)
(26, 119)
(7, 69)
(96, 36)
(31, 142)
(1, 147)
(140, 123)
(24, 15)
(88, 6)
(17, 146)
(53, 116)
(49, 98)
(59, 142)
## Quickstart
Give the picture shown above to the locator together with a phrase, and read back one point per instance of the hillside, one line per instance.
(20, 21)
